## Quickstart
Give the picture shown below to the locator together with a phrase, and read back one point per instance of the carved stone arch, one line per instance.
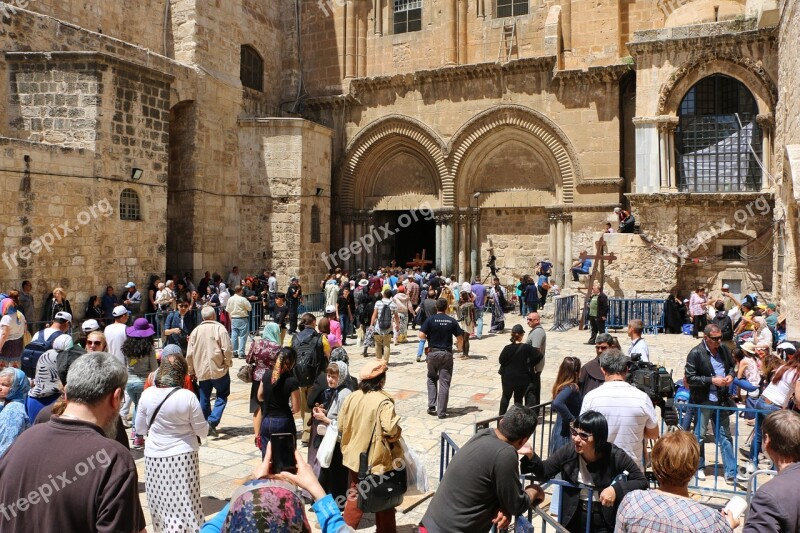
(745, 69)
(391, 128)
(535, 124)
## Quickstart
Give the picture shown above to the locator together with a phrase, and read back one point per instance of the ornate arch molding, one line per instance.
(376, 133)
(532, 122)
(745, 69)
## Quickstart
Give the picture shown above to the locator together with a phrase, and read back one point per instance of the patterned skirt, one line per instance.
(10, 354)
(173, 492)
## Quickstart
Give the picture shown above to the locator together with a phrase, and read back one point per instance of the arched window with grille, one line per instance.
(129, 207)
(316, 229)
(251, 69)
(718, 142)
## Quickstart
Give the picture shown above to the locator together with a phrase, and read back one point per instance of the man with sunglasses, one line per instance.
(179, 325)
(709, 373)
(591, 377)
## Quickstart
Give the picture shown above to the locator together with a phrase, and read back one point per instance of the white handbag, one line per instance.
(326, 447)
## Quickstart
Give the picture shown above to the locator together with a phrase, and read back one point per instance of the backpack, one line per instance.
(723, 322)
(385, 318)
(34, 350)
(359, 295)
(545, 269)
(309, 356)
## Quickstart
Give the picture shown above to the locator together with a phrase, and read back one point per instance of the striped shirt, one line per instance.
(653, 511)
(628, 412)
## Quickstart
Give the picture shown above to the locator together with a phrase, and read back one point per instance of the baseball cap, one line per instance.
(63, 316)
(119, 311)
(294, 278)
(772, 306)
(726, 286)
(517, 329)
(330, 309)
(90, 325)
(129, 285)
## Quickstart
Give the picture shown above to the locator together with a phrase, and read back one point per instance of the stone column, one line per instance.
(377, 9)
(552, 243)
(567, 246)
(766, 123)
(451, 32)
(561, 277)
(672, 179)
(566, 23)
(350, 32)
(475, 243)
(449, 238)
(439, 239)
(362, 26)
(663, 165)
(347, 238)
(648, 178)
(481, 10)
(463, 219)
(373, 251)
(462, 32)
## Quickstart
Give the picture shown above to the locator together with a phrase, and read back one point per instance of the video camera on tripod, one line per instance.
(651, 379)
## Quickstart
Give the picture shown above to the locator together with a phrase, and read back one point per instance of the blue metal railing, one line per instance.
(448, 449)
(621, 311)
(566, 314)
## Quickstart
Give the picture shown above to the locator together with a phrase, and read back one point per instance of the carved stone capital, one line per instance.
(766, 121)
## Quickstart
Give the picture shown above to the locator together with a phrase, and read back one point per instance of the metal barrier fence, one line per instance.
(566, 314)
(448, 449)
(621, 311)
(312, 303)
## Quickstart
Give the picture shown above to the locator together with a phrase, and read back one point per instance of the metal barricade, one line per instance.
(448, 449)
(256, 316)
(688, 413)
(566, 312)
(312, 303)
(621, 311)
(752, 484)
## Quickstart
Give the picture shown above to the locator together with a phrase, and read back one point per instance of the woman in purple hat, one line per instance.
(141, 359)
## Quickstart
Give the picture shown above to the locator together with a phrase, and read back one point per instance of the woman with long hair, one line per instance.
(141, 358)
(94, 310)
(516, 370)
(782, 385)
(588, 460)
(173, 421)
(279, 396)
(567, 400)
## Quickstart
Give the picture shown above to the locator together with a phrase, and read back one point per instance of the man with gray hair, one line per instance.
(209, 355)
(91, 483)
(629, 411)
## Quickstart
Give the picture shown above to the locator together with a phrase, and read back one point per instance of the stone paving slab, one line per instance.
(474, 395)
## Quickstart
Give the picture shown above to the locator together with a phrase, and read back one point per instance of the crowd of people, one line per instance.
(82, 387)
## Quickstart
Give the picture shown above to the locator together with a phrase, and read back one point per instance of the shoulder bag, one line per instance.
(155, 413)
(383, 491)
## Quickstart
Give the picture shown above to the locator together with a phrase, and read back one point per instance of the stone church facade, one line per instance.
(278, 133)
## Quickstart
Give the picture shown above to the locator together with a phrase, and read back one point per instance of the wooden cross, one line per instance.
(419, 261)
(598, 271)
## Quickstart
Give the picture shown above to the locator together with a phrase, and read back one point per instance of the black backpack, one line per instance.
(385, 318)
(309, 356)
(725, 325)
(34, 350)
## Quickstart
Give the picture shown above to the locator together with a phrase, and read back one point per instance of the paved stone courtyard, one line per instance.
(474, 395)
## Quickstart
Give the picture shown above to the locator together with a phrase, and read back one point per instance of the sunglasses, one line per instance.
(183, 306)
(580, 434)
(602, 347)
(94, 343)
(715, 339)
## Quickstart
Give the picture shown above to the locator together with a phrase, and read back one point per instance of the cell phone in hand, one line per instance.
(283, 447)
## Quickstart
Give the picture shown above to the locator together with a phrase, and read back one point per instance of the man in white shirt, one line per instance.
(238, 307)
(234, 278)
(629, 411)
(383, 336)
(115, 332)
(639, 345)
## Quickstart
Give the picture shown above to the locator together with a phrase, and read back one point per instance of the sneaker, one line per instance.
(741, 476)
(701, 475)
(419, 359)
(212, 431)
(138, 442)
(731, 481)
(133, 434)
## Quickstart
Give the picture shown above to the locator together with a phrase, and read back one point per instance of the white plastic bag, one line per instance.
(415, 471)
(326, 447)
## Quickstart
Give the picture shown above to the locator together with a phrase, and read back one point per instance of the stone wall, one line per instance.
(520, 238)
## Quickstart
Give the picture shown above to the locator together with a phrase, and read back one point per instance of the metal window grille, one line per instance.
(716, 130)
(129, 208)
(511, 8)
(407, 16)
(315, 224)
(251, 69)
(731, 253)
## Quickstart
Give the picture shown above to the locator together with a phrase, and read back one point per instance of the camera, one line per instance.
(651, 379)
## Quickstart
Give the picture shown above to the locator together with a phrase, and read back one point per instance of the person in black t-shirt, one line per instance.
(439, 331)
(347, 306)
(517, 361)
(274, 395)
(279, 313)
(294, 294)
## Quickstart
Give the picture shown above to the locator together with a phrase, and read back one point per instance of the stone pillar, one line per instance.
(672, 179)
(663, 165)
(462, 32)
(475, 243)
(463, 219)
(481, 9)
(648, 177)
(567, 246)
(439, 240)
(451, 32)
(561, 277)
(350, 32)
(377, 9)
(449, 238)
(766, 123)
(362, 26)
(372, 258)
(347, 238)
(552, 244)
(566, 23)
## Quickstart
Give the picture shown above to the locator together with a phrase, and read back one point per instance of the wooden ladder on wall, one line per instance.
(508, 41)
